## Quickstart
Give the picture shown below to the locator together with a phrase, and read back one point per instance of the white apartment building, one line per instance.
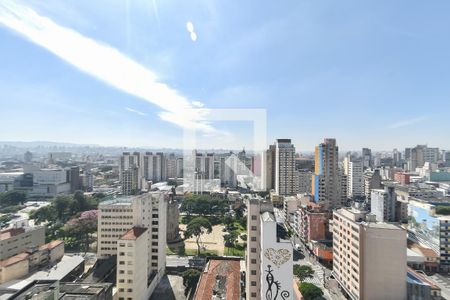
(132, 266)
(268, 258)
(383, 204)
(285, 167)
(369, 257)
(354, 171)
(116, 217)
(131, 171)
(154, 166)
(16, 240)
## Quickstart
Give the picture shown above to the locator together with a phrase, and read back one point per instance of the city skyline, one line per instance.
(363, 77)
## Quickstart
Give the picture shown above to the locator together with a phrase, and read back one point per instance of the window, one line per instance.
(253, 283)
(253, 217)
(253, 272)
(253, 238)
(253, 250)
(253, 228)
(253, 295)
(253, 261)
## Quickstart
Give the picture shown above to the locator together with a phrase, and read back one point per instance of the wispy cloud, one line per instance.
(135, 111)
(102, 62)
(408, 122)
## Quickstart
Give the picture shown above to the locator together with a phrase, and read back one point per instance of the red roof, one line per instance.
(222, 276)
(9, 233)
(51, 245)
(427, 252)
(133, 233)
(14, 259)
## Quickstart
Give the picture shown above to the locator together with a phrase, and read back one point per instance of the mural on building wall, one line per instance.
(423, 224)
(274, 287)
(277, 257)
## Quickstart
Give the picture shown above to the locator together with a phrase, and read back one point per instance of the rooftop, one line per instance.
(51, 245)
(9, 233)
(268, 217)
(220, 279)
(133, 233)
(14, 259)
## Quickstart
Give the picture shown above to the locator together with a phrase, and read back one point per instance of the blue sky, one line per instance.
(369, 73)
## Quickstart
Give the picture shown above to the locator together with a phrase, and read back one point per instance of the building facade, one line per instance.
(369, 257)
(326, 180)
(284, 167)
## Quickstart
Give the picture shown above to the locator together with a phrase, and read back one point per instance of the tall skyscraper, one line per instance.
(367, 158)
(284, 167)
(326, 180)
(397, 158)
(268, 169)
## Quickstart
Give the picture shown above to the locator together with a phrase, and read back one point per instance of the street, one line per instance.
(321, 277)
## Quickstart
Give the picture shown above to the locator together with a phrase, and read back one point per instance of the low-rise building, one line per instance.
(16, 240)
(56, 290)
(220, 279)
(421, 288)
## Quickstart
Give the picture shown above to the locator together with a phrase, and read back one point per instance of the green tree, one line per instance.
(231, 238)
(63, 204)
(303, 272)
(190, 280)
(196, 227)
(12, 198)
(310, 291)
(44, 214)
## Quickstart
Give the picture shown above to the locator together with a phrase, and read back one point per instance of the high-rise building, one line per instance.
(171, 166)
(383, 204)
(131, 172)
(284, 167)
(132, 269)
(369, 257)
(372, 180)
(354, 172)
(154, 166)
(115, 219)
(366, 158)
(397, 158)
(269, 256)
(417, 157)
(268, 169)
(130, 181)
(326, 180)
(304, 181)
(431, 155)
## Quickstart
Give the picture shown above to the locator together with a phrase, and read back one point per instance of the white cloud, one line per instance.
(193, 36)
(197, 104)
(100, 61)
(190, 26)
(135, 111)
(408, 122)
